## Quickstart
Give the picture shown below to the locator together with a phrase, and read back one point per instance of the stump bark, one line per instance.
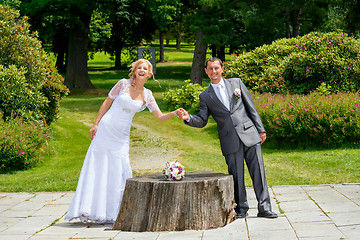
(202, 200)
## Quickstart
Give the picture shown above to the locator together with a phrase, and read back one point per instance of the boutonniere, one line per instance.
(237, 93)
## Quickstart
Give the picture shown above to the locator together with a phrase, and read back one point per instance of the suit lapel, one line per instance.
(231, 86)
(230, 89)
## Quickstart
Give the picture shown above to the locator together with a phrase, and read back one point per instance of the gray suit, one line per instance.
(238, 131)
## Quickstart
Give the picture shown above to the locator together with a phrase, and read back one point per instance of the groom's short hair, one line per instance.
(213, 59)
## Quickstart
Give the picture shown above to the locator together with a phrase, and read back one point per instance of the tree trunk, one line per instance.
(60, 59)
(161, 47)
(297, 22)
(287, 23)
(221, 53)
(118, 49)
(60, 47)
(213, 50)
(178, 41)
(231, 49)
(117, 59)
(202, 200)
(197, 68)
(77, 73)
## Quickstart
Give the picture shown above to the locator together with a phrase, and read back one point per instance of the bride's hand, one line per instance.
(182, 114)
(93, 130)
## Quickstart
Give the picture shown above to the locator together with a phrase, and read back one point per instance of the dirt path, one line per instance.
(149, 151)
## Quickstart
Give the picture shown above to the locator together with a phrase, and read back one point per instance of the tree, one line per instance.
(131, 23)
(344, 14)
(215, 23)
(75, 21)
(163, 12)
(77, 73)
(197, 67)
(268, 20)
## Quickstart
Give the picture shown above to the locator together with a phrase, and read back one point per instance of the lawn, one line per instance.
(200, 148)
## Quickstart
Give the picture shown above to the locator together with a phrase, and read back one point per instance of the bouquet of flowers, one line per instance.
(174, 171)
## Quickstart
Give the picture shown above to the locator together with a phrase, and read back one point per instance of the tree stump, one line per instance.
(202, 200)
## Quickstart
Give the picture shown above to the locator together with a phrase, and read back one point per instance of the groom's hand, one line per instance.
(182, 114)
(263, 137)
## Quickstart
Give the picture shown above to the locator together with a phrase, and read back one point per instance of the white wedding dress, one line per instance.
(106, 166)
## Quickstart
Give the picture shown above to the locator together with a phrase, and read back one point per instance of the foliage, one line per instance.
(131, 23)
(163, 11)
(22, 145)
(300, 65)
(267, 20)
(314, 120)
(100, 30)
(186, 97)
(29, 85)
(12, 3)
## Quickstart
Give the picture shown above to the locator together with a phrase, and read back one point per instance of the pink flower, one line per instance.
(22, 153)
(306, 110)
(26, 162)
(45, 135)
(331, 125)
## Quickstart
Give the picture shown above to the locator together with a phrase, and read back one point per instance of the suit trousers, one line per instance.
(255, 164)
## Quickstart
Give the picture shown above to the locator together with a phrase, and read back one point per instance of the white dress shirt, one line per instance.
(222, 93)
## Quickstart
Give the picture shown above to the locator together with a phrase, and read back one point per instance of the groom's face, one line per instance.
(214, 71)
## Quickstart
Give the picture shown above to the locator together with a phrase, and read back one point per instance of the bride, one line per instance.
(106, 166)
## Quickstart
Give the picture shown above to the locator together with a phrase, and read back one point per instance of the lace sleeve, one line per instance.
(118, 87)
(150, 101)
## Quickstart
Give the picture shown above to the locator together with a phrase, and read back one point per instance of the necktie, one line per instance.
(224, 99)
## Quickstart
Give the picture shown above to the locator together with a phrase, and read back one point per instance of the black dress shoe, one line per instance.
(267, 214)
(241, 214)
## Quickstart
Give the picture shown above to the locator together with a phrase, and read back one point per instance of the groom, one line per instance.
(240, 131)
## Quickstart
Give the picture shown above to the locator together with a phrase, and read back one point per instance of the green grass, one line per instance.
(200, 147)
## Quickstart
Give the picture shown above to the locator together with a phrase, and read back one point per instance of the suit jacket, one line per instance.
(241, 122)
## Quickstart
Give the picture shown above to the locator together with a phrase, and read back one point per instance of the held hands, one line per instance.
(182, 114)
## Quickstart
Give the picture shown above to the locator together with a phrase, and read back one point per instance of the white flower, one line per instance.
(237, 93)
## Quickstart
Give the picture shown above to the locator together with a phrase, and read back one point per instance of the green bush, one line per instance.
(22, 144)
(313, 120)
(29, 85)
(300, 65)
(186, 97)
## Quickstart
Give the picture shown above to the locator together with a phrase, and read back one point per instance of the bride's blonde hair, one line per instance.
(135, 64)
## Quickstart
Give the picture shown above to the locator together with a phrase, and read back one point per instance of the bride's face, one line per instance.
(142, 71)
